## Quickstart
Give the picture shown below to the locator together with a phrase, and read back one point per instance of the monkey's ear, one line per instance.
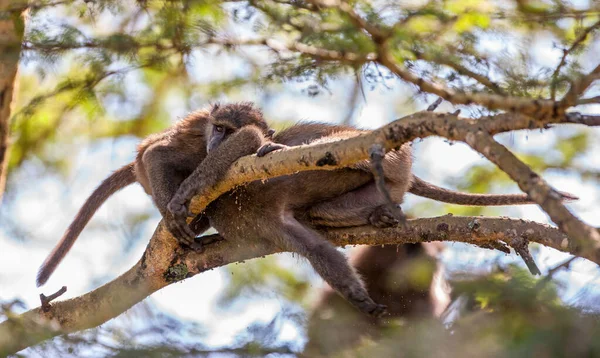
(270, 133)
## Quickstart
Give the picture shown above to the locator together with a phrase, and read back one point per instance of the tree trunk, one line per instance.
(12, 25)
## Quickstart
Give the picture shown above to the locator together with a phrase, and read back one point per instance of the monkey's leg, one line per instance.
(363, 206)
(330, 264)
(212, 169)
(389, 211)
(367, 205)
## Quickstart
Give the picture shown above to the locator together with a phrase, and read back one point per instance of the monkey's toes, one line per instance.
(180, 230)
(385, 216)
(371, 308)
(379, 311)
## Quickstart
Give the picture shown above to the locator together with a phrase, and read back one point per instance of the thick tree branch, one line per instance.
(165, 262)
(331, 156)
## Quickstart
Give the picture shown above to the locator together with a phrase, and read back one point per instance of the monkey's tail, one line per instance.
(118, 180)
(422, 188)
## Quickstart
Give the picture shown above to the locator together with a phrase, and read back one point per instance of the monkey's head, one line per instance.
(224, 120)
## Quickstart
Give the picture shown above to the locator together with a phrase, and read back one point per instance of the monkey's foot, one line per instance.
(385, 216)
(368, 306)
(268, 148)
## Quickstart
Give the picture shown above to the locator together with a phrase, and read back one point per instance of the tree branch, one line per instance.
(578, 87)
(582, 36)
(587, 237)
(164, 262)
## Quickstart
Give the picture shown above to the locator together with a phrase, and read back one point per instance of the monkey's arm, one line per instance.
(164, 175)
(213, 168)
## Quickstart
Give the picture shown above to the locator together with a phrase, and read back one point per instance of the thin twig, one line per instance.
(578, 87)
(45, 300)
(521, 246)
(582, 36)
(432, 107)
(554, 270)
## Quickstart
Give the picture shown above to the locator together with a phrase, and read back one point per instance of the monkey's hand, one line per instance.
(269, 147)
(175, 220)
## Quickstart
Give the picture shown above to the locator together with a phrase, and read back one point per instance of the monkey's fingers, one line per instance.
(197, 247)
(180, 230)
(178, 208)
(268, 148)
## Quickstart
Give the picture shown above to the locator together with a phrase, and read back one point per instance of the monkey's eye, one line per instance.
(219, 129)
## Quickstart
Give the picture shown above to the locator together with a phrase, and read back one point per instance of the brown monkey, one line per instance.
(366, 205)
(165, 159)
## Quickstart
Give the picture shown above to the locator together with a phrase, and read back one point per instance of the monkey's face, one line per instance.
(217, 133)
(227, 119)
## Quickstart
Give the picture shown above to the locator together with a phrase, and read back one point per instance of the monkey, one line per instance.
(165, 159)
(272, 210)
(162, 162)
